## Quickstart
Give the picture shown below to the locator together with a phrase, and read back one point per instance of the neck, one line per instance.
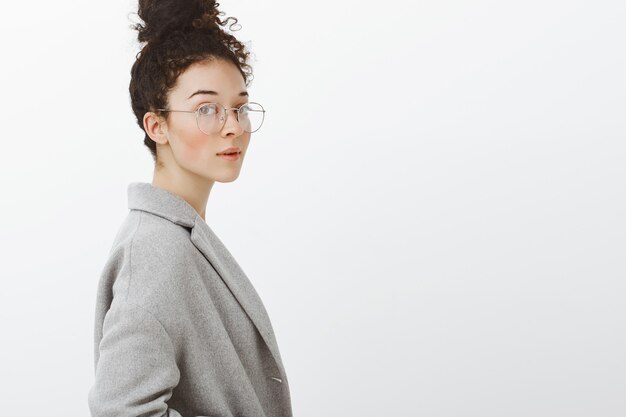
(191, 187)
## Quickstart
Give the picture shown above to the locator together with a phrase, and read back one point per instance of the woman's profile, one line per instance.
(179, 328)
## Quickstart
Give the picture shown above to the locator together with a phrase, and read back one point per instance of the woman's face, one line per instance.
(216, 81)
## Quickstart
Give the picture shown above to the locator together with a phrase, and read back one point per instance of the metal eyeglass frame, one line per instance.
(197, 112)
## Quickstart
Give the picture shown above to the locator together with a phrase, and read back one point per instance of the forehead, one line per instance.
(219, 76)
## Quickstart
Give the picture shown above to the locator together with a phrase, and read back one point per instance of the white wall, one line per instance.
(433, 211)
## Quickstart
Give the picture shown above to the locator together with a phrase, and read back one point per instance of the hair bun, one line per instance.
(162, 17)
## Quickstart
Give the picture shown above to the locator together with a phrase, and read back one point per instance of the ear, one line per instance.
(155, 127)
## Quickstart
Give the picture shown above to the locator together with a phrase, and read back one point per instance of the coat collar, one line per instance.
(147, 197)
(163, 203)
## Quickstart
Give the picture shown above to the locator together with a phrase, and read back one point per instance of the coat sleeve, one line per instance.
(136, 370)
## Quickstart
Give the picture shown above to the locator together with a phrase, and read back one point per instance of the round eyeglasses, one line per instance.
(210, 117)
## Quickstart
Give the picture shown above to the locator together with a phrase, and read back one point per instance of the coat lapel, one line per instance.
(147, 197)
(231, 273)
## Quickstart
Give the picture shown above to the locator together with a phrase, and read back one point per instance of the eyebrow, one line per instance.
(215, 93)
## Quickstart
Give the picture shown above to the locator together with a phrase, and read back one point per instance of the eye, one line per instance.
(207, 109)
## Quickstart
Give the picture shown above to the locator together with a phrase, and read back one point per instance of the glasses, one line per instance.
(210, 117)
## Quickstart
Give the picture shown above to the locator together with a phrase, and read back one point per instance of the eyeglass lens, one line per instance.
(211, 117)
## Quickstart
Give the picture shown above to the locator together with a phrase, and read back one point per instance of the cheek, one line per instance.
(245, 141)
(194, 146)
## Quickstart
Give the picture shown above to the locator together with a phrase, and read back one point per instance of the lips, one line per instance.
(230, 151)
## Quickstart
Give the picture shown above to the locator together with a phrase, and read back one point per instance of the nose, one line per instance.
(231, 125)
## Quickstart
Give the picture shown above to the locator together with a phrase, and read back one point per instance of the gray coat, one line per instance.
(179, 328)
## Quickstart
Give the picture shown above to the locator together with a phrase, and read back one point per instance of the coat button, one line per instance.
(276, 379)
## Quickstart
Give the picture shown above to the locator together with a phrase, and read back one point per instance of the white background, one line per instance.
(432, 213)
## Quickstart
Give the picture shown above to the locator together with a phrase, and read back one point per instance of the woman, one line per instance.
(179, 328)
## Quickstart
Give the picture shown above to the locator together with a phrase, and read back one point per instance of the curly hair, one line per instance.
(177, 34)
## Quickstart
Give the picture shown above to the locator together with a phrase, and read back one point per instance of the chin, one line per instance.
(226, 178)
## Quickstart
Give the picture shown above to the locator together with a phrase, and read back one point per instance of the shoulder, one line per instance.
(144, 237)
(155, 272)
(160, 234)
(161, 262)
